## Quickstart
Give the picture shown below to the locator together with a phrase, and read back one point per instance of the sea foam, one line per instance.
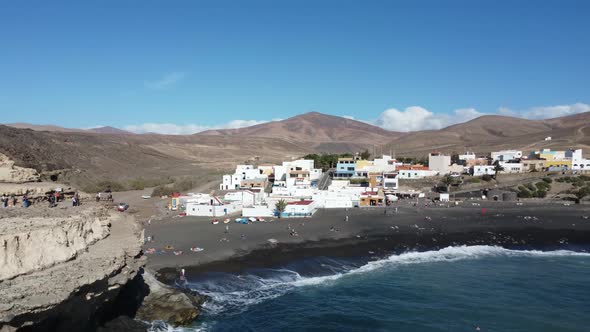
(236, 292)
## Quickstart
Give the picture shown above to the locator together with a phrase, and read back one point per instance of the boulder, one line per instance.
(177, 307)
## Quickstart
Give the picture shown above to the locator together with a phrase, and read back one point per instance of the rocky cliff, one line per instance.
(15, 174)
(59, 269)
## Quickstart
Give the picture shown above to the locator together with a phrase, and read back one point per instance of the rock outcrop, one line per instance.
(172, 305)
(16, 174)
(58, 273)
(33, 244)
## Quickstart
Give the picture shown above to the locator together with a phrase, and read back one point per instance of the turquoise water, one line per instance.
(452, 289)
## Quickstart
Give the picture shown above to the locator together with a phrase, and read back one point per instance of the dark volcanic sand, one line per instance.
(368, 230)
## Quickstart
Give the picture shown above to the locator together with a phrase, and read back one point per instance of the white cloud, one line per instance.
(547, 112)
(188, 129)
(166, 82)
(418, 118)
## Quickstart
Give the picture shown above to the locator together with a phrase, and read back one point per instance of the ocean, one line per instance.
(467, 288)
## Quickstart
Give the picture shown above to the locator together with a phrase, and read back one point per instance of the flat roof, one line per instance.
(305, 202)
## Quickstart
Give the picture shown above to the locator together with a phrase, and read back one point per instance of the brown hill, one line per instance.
(488, 133)
(21, 125)
(84, 158)
(98, 130)
(331, 132)
(87, 157)
(109, 130)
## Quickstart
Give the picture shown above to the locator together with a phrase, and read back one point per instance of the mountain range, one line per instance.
(85, 156)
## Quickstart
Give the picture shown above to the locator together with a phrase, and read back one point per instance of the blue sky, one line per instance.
(184, 66)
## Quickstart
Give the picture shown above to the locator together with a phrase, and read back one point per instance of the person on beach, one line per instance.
(97, 197)
(346, 218)
(4, 201)
(226, 229)
(13, 199)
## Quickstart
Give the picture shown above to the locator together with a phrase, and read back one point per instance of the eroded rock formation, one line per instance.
(57, 272)
(15, 174)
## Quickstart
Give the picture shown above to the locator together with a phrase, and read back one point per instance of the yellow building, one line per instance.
(561, 164)
(360, 164)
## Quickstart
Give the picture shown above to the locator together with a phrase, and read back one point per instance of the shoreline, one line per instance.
(372, 233)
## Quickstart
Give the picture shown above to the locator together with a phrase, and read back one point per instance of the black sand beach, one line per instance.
(376, 231)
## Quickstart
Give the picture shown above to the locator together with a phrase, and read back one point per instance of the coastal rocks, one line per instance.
(75, 289)
(176, 307)
(32, 244)
(15, 174)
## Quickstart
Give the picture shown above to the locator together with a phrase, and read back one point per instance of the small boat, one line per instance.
(215, 221)
(252, 219)
(261, 219)
(226, 221)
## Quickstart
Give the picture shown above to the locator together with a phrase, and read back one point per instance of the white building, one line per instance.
(390, 181)
(510, 168)
(216, 208)
(439, 163)
(480, 170)
(578, 162)
(303, 208)
(467, 156)
(242, 173)
(506, 155)
(415, 172)
(245, 197)
(299, 172)
(258, 211)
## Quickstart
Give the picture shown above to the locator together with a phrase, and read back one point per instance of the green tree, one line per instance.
(365, 155)
(497, 168)
(448, 180)
(581, 193)
(280, 206)
(455, 158)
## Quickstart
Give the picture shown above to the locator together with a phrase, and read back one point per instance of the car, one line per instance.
(122, 207)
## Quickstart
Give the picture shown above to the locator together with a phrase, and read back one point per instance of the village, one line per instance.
(298, 188)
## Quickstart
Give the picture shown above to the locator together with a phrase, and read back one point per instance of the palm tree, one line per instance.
(497, 168)
(281, 205)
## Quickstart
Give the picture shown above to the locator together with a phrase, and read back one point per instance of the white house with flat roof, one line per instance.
(506, 155)
(578, 161)
(439, 162)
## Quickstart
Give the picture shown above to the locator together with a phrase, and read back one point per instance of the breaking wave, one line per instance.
(234, 293)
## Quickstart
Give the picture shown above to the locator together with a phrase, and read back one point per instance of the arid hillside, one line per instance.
(321, 131)
(87, 157)
(488, 133)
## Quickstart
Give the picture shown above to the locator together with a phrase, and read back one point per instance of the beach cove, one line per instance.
(373, 231)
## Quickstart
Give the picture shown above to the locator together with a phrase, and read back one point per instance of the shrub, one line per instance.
(540, 194)
(530, 187)
(137, 184)
(474, 180)
(524, 193)
(585, 177)
(543, 186)
(104, 185)
(487, 178)
(548, 180)
(179, 185)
